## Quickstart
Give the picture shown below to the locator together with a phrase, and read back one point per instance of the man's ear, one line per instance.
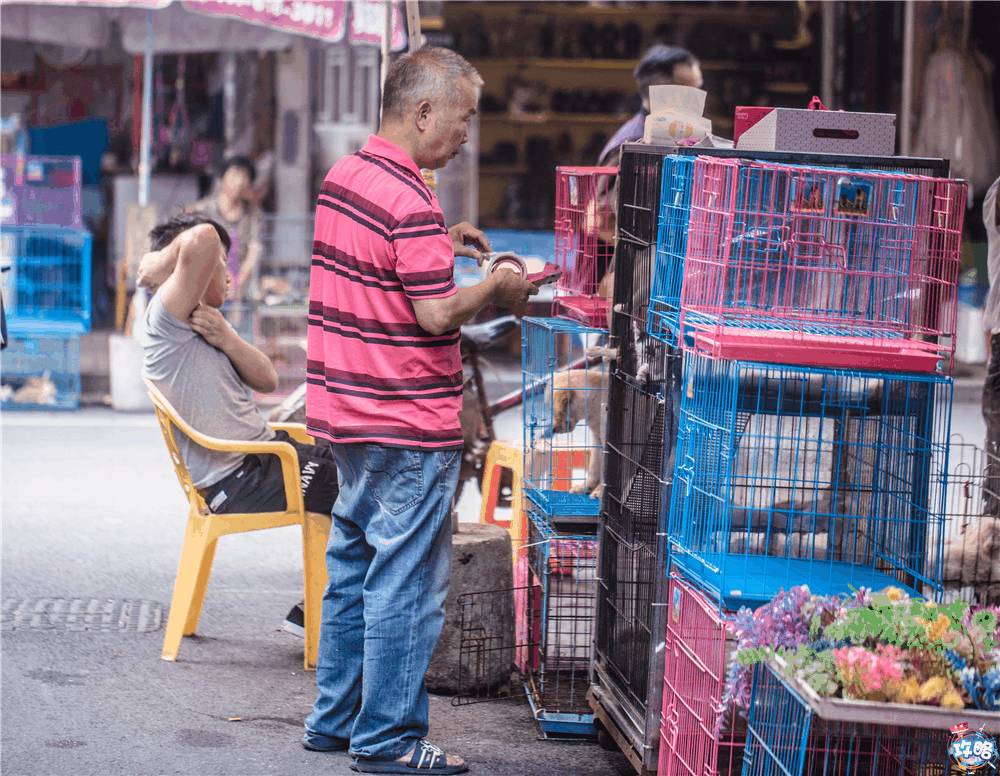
(423, 114)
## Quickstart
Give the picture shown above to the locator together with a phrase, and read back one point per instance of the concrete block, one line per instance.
(480, 562)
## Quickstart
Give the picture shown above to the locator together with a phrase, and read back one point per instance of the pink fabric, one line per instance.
(380, 241)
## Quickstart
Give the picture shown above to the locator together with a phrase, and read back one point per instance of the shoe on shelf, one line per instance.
(295, 622)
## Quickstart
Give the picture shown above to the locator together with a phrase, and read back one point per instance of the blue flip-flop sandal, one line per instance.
(426, 759)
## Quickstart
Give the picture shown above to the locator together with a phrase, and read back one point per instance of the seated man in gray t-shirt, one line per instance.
(208, 372)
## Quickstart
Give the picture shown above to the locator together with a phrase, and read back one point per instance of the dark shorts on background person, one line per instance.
(259, 486)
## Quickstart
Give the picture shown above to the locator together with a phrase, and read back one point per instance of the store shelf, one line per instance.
(596, 64)
(502, 170)
(784, 87)
(535, 119)
(659, 11)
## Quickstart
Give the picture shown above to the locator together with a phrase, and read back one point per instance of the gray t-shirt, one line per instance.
(203, 386)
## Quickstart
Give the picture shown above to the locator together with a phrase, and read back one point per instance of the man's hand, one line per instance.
(465, 232)
(512, 291)
(209, 323)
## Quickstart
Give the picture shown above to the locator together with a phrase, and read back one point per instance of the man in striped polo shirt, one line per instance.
(385, 388)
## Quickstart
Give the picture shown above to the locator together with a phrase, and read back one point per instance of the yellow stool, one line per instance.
(500, 456)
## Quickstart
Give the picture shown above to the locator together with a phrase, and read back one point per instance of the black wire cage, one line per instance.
(627, 674)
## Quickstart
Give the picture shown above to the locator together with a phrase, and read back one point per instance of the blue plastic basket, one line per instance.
(671, 245)
(789, 475)
(44, 363)
(556, 406)
(49, 276)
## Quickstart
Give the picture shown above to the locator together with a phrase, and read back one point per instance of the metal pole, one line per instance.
(386, 40)
(229, 98)
(829, 11)
(145, 143)
(909, 32)
(413, 33)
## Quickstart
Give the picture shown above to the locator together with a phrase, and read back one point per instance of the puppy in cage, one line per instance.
(579, 395)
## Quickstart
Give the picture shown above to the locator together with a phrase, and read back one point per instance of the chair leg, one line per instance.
(315, 536)
(201, 585)
(197, 539)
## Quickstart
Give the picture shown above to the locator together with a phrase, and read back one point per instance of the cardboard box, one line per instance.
(676, 116)
(815, 131)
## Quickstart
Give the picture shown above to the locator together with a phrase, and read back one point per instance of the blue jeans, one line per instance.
(389, 560)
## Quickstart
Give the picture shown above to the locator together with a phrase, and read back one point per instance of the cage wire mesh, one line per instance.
(697, 739)
(564, 392)
(642, 427)
(663, 318)
(495, 643)
(823, 266)
(48, 279)
(784, 736)
(639, 354)
(279, 315)
(46, 190)
(971, 555)
(565, 565)
(790, 475)
(584, 241)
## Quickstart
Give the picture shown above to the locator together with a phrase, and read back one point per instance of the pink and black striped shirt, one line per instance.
(374, 375)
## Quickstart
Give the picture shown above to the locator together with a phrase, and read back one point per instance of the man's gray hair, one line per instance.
(426, 74)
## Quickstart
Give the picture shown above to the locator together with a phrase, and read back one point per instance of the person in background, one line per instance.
(232, 205)
(660, 65)
(991, 327)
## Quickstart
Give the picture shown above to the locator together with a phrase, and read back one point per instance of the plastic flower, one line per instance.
(867, 674)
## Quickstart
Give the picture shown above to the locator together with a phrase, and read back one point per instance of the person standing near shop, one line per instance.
(231, 204)
(991, 326)
(660, 65)
(385, 388)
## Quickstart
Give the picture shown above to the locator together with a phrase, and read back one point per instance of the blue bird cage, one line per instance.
(671, 246)
(48, 280)
(40, 369)
(564, 391)
(789, 475)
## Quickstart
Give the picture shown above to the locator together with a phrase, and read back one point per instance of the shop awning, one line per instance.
(190, 26)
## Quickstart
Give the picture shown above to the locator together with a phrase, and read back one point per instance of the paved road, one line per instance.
(91, 510)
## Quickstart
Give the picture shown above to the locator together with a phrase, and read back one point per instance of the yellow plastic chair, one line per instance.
(204, 528)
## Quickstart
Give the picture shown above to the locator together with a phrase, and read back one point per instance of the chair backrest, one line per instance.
(168, 419)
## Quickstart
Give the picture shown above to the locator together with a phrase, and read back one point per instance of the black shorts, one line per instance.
(258, 485)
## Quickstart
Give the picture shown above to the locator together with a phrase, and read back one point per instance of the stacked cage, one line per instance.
(584, 241)
(561, 565)
(45, 260)
(564, 390)
(815, 310)
(626, 676)
(793, 732)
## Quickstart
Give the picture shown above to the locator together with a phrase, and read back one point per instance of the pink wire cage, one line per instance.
(584, 241)
(822, 266)
(695, 740)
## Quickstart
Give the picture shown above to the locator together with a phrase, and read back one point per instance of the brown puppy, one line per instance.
(580, 395)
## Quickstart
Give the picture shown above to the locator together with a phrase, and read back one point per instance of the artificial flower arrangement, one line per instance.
(883, 647)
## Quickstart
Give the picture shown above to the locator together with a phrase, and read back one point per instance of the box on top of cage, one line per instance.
(564, 388)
